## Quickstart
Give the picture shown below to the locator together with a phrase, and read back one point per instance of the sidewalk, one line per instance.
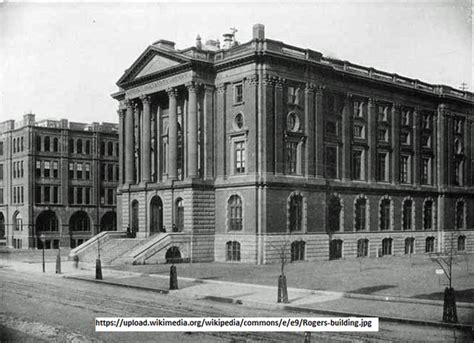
(318, 303)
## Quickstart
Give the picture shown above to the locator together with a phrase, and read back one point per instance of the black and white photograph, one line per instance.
(237, 171)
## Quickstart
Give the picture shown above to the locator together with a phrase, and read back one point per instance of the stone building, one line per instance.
(232, 152)
(57, 178)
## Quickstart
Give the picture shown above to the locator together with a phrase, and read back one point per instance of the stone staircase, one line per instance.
(115, 248)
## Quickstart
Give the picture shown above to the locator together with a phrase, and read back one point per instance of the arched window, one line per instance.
(459, 218)
(47, 221)
(407, 214)
(88, 147)
(385, 213)
(360, 214)
(110, 148)
(38, 143)
(2, 226)
(297, 251)
(79, 146)
(179, 215)
(334, 214)
(233, 251)
(71, 146)
(234, 208)
(108, 222)
(55, 144)
(135, 226)
(409, 245)
(386, 246)
(17, 221)
(46, 143)
(461, 243)
(430, 243)
(22, 144)
(428, 215)
(173, 255)
(363, 247)
(156, 214)
(295, 213)
(79, 222)
(335, 249)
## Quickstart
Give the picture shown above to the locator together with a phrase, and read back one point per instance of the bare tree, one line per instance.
(445, 260)
(283, 250)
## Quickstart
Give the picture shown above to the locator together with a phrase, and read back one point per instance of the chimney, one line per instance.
(198, 42)
(29, 119)
(258, 31)
(165, 44)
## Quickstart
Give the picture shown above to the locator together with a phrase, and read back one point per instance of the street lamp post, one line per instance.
(42, 237)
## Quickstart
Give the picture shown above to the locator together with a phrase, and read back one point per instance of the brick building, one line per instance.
(235, 150)
(57, 178)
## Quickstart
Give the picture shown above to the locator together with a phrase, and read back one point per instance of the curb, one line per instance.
(156, 290)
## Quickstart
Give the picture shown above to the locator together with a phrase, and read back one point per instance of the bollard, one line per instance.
(98, 270)
(58, 264)
(173, 278)
(76, 261)
(307, 337)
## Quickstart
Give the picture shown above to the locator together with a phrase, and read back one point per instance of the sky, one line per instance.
(63, 60)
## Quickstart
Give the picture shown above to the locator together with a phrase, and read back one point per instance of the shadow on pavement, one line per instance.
(372, 289)
(465, 295)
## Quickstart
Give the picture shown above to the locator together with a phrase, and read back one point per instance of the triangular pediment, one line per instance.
(151, 61)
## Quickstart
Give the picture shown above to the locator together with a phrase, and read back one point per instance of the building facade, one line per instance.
(250, 147)
(57, 178)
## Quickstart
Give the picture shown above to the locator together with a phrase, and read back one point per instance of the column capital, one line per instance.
(221, 88)
(279, 82)
(396, 106)
(172, 92)
(121, 113)
(310, 87)
(372, 102)
(128, 103)
(208, 88)
(192, 86)
(145, 99)
(349, 96)
(253, 80)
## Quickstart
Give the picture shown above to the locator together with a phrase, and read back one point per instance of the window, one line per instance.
(295, 213)
(14, 170)
(458, 147)
(110, 148)
(88, 171)
(116, 149)
(358, 165)
(334, 214)
(71, 146)
(461, 243)
(426, 121)
(110, 172)
(239, 121)
(331, 162)
(71, 170)
(79, 222)
(357, 109)
(235, 213)
(38, 194)
(291, 157)
(428, 215)
(79, 195)
(386, 246)
(88, 147)
(88, 195)
(38, 169)
(292, 122)
(405, 138)
(405, 169)
(426, 171)
(233, 251)
(70, 195)
(1, 171)
(179, 215)
(38, 143)
(382, 113)
(459, 217)
(21, 169)
(238, 93)
(1, 148)
(383, 135)
(382, 166)
(360, 214)
(293, 95)
(405, 117)
(359, 131)
(79, 146)
(385, 213)
(46, 170)
(55, 169)
(56, 195)
(110, 196)
(362, 248)
(429, 245)
(409, 245)
(46, 143)
(458, 173)
(458, 126)
(297, 251)
(407, 214)
(79, 170)
(335, 249)
(55, 144)
(103, 167)
(1, 196)
(102, 196)
(102, 148)
(239, 157)
(22, 144)
(14, 145)
(426, 141)
(47, 194)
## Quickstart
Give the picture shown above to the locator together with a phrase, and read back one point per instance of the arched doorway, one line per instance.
(2, 226)
(79, 222)
(173, 255)
(109, 222)
(156, 215)
(134, 216)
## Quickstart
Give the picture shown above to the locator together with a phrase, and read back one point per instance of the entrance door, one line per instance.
(156, 215)
(335, 249)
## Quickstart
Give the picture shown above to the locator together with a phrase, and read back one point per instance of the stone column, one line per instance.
(145, 140)
(346, 138)
(372, 139)
(207, 132)
(416, 147)
(395, 143)
(192, 132)
(129, 160)
(450, 150)
(121, 114)
(221, 141)
(319, 130)
(172, 135)
(309, 128)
